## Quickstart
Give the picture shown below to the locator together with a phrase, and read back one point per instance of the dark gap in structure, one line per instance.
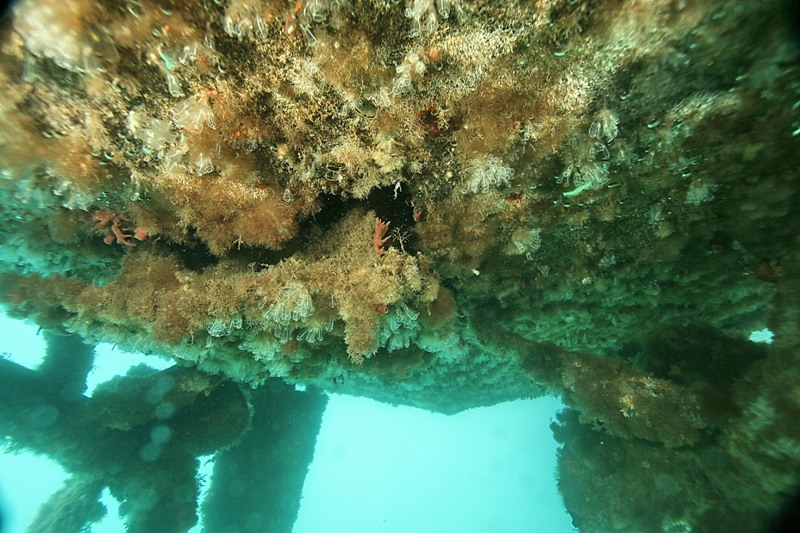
(393, 205)
(195, 256)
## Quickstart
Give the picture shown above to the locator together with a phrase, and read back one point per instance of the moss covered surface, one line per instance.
(593, 199)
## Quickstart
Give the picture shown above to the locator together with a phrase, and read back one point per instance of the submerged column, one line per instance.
(257, 483)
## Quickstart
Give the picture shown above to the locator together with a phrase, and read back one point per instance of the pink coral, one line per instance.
(116, 229)
(378, 239)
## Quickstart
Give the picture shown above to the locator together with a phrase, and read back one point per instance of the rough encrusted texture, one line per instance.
(566, 182)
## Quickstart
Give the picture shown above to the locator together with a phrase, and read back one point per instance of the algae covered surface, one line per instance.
(438, 203)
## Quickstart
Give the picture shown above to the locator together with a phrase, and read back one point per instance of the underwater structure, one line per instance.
(437, 203)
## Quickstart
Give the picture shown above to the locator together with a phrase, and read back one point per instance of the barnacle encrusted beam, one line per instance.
(139, 435)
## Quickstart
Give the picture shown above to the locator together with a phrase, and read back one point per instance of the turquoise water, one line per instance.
(376, 468)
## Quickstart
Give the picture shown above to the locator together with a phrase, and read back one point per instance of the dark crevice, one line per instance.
(194, 254)
(395, 207)
(388, 205)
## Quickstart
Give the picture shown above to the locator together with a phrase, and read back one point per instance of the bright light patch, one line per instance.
(764, 336)
(110, 361)
(22, 343)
